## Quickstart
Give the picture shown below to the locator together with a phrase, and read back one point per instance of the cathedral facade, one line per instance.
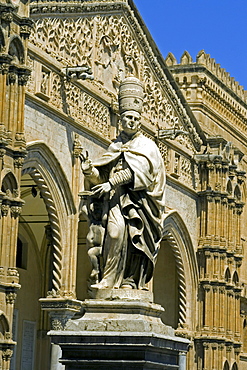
(61, 64)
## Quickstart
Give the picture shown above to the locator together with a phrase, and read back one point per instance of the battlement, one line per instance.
(203, 59)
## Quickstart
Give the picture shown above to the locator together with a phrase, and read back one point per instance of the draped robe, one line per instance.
(139, 204)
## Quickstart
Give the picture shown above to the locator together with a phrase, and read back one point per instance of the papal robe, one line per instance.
(141, 204)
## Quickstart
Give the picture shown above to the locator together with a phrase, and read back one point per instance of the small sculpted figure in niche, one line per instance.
(129, 179)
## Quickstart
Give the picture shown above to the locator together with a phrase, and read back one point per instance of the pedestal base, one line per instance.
(120, 333)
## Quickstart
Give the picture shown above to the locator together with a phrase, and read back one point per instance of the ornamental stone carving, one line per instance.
(107, 45)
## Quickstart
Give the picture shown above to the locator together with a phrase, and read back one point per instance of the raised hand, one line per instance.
(101, 189)
(86, 164)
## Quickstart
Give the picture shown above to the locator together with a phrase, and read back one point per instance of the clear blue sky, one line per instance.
(217, 26)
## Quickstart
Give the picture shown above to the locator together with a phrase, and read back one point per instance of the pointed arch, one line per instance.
(235, 278)
(16, 50)
(235, 366)
(229, 187)
(44, 160)
(226, 365)
(9, 182)
(227, 275)
(237, 193)
(4, 325)
(177, 235)
(46, 172)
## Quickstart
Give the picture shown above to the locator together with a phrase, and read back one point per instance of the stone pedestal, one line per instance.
(120, 330)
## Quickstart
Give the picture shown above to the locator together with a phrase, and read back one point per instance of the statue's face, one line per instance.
(130, 122)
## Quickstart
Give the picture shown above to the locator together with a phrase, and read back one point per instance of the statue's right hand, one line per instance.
(86, 164)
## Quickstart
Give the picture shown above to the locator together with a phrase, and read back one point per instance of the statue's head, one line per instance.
(130, 104)
(131, 122)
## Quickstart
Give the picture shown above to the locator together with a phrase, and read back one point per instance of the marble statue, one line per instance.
(126, 201)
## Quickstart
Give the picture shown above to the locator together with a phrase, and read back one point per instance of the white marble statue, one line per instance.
(129, 181)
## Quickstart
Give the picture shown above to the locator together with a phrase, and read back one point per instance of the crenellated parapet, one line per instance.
(217, 100)
(203, 59)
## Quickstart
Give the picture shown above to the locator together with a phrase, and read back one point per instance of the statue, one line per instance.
(126, 201)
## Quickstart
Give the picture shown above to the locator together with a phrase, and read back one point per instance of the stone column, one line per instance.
(182, 360)
(70, 253)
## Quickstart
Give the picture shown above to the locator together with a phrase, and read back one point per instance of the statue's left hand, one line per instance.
(101, 189)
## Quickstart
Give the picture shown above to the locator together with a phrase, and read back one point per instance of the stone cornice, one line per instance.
(65, 8)
(200, 69)
(223, 123)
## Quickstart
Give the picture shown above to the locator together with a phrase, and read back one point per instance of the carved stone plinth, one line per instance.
(120, 333)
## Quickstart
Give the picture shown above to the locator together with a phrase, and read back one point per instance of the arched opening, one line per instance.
(176, 275)
(165, 285)
(9, 185)
(227, 275)
(235, 366)
(45, 189)
(229, 187)
(16, 50)
(235, 278)
(226, 366)
(30, 323)
(4, 326)
(237, 193)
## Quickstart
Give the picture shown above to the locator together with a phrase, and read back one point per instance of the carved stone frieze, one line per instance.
(107, 45)
(163, 148)
(65, 38)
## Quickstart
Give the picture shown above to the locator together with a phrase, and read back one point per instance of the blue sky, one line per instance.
(217, 26)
